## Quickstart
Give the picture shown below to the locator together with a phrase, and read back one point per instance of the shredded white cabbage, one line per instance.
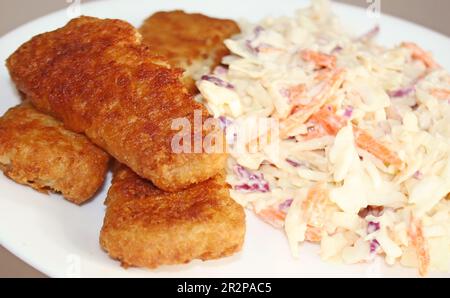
(363, 163)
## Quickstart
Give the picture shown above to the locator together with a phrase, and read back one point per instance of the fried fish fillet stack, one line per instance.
(97, 77)
(36, 150)
(193, 42)
(147, 227)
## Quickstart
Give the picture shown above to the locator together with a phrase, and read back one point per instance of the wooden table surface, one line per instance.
(430, 13)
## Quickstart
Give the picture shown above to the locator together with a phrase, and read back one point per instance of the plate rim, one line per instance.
(14, 248)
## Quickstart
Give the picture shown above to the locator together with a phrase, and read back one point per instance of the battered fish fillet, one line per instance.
(97, 77)
(193, 42)
(36, 150)
(146, 227)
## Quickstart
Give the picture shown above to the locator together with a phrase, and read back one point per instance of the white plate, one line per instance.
(61, 239)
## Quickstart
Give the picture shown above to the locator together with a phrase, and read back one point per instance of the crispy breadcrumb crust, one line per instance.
(188, 39)
(97, 77)
(37, 150)
(146, 227)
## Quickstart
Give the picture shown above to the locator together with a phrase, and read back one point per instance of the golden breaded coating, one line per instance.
(96, 77)
(146, 227)
(193, 42)
(36, 150)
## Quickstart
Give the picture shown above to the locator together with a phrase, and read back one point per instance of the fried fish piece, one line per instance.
(97, 77)
(191, 41)
(37, 150)
(147, 227)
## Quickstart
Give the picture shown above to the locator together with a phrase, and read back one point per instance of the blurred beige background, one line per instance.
(430, 13)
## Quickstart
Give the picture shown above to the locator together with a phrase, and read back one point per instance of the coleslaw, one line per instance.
(363, 160)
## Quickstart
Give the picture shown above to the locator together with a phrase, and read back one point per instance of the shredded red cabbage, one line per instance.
(257, 49)
(256, 187)
(225, 122)
(418, 175)
(402, 92)
(284, 207)
(226, 125)
(285, 92)
(374, 245)
(217, 81)
(243, 173)
(337, 50)
(255, 181)
(294, 163)
(348, 112)
(372, 227)
(220, 70)
(371, 34)
(256, 33)
(248, 44)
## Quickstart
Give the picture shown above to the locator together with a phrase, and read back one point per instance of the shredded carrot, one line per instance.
(418, 241)
(320, 59)
(314, 205)
(440, 93)
(421, 55)
(313, 208)
(296, 93)
(268, 49)
(303, 113)
(327, 119)
(273, 216)
(366, 142)
(313, 234)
